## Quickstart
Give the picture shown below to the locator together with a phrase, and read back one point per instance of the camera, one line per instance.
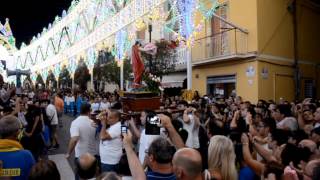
(152, 124)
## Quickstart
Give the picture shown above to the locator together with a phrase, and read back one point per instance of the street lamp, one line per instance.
(150, 37)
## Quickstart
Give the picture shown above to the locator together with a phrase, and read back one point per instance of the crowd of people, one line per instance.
(207, 138)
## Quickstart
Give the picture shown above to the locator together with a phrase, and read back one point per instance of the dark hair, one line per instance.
(213, 128)
(251, 110)
(44, 169)
(284, 109)
(88, 173)
(117, 106)
(185, 103)
(161, 150)
(85, 109)
(275, 168)
(292, 153)
(280, 135)
(298, 135)
(269, 122)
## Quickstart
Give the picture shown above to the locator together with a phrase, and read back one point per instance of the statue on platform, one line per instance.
(137, 64)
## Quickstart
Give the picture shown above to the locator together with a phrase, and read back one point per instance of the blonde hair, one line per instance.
(221, 157)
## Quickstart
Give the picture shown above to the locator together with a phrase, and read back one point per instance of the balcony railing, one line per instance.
(227, 43)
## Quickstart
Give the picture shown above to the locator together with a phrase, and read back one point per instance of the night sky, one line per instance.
(28, 17)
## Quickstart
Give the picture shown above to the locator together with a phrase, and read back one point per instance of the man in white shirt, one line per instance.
(105, 104)
(96, 105)
(111, 142)
(191, 124)
(144, 139)
(51, 112)
(83, 134)
(284, 119)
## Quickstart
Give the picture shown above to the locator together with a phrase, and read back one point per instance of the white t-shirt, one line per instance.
(67, 100)
(95, 107)
(71, 99)
(288, 123)
(145, 141)
(51, 112)
(111, 150)
(31, 95)
(105, 106)
(193, 133)
(82, 127)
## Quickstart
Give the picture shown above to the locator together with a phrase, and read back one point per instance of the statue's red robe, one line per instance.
(137, 65)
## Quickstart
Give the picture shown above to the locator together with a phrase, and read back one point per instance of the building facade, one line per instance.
(259, 49)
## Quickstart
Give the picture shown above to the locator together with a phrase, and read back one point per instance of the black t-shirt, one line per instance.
(31, 118)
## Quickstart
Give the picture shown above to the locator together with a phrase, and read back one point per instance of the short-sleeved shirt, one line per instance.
(58, 102)
(159, 176)
(52, 114)
(82, 128)
(111, 150)
(145, 141)
(17, 164)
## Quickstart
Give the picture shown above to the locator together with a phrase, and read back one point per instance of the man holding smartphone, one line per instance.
(110, 141)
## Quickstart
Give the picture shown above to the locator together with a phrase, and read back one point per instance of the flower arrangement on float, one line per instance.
(153, 83)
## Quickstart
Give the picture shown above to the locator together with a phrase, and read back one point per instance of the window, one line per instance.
(308, 88)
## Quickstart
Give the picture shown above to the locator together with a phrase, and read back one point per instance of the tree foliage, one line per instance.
(107, 69)
(65, 78)
(39, 80)
(82, 75)
(52, 79)
(163, 62)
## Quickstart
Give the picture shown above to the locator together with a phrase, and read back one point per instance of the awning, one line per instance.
(173, 80)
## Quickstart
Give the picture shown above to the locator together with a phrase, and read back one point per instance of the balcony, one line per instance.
(231, 43)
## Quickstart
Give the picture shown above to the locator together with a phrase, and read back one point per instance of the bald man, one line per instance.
(312, 146)
(87, 166)
(187, 164)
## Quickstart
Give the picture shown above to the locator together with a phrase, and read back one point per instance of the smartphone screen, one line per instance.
(124, 129)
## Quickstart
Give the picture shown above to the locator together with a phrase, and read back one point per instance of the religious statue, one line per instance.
(137, 64)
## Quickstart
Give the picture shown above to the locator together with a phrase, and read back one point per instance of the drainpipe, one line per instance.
(292, 8)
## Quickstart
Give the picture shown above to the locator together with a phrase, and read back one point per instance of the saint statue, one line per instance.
(137, 64)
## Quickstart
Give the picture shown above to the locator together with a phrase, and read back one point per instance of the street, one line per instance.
(58, 156)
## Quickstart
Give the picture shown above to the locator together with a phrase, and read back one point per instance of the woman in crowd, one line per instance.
(221, 160)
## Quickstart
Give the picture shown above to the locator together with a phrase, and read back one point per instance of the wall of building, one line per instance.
(244, 14)
(275, 30)
(247, 87)
(279, 81)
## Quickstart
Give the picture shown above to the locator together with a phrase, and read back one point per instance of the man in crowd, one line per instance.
(187, 164)
(83, 135)
(96, 105)
(15, 162)
(87, 166)
(110, 141)
(58, 102)
(285, 121)
(53, 119)
(159, 157)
